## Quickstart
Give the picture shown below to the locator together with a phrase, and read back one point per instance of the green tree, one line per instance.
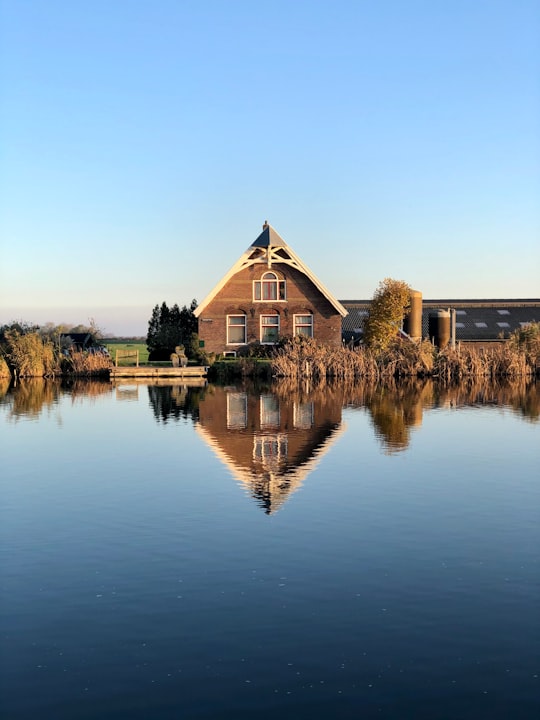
(386, 311)
(169, 327)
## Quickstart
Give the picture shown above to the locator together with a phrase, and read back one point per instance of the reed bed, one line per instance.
(503, 360)
(86, 364)
(304, 358)
(29, 355)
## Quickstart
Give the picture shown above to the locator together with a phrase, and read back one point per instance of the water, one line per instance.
(172, 552)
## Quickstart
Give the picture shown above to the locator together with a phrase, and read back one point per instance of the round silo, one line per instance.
(439, 327)
(412, 322)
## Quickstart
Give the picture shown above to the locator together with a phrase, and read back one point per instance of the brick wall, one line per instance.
(237, 298)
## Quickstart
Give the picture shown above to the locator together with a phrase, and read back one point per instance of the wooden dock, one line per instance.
(148, 371)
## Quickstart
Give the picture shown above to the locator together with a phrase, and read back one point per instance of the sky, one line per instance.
(143, 144)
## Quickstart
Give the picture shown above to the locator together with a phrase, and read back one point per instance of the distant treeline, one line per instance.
(118, 339)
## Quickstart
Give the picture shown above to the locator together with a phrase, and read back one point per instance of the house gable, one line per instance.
(267, 294)
(268, 249)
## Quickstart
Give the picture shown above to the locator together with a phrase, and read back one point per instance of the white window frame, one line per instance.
(303, 415)
(236, 325)
(270, 450)
(236, 411)
(264, 325)
(270, 279)
(297, 324)
(269, 412)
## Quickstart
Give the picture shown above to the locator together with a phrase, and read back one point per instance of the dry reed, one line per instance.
(304, 358)
(4, 367)
(503, 360)
(30, 355)
(86, 364)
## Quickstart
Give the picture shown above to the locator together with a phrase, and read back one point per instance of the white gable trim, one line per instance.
(268, 256)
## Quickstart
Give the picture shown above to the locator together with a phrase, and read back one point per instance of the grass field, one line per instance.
(112, 347)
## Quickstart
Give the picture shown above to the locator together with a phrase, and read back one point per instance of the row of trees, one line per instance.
(170, 327)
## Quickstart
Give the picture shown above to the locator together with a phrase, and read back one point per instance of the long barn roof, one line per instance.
(475, 319)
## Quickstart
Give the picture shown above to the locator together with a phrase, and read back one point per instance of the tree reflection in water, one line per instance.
(395, 406)
(176, 401)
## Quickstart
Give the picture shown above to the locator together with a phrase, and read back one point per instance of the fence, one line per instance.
(128, 357)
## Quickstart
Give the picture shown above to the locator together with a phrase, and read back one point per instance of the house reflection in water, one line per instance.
(270, 443)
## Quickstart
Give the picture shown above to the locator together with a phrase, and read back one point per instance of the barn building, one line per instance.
(269, 293)
(478, 322)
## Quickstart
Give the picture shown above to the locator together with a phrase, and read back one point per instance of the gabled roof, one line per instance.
(269, 237)
(270, 248)
(82, 339)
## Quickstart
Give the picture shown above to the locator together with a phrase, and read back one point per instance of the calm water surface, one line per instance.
(224, 552)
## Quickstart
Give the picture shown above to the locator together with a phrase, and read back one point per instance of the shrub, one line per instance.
(4, 367)
(527, 340)
(30, 355)
(386, 311)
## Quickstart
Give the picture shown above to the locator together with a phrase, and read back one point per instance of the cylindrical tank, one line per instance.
(412, 322)
(439, 327)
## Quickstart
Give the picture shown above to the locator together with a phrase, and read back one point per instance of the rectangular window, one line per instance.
(303, 415)
(236, 411)
(303, 325)
(236, 329)
(269, 328)
(269, 411)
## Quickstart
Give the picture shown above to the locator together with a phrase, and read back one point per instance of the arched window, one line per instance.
(269, 287)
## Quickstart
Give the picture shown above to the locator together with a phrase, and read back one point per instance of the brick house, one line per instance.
(268, 293)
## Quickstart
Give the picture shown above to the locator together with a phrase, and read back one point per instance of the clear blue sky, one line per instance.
(143, 144)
